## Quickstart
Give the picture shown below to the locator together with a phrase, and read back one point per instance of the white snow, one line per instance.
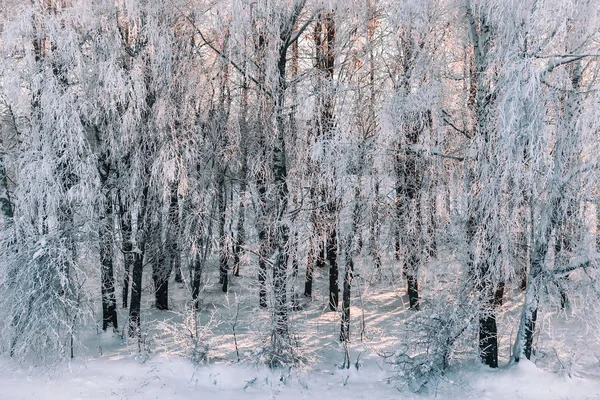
(568, 366)
(177, 379)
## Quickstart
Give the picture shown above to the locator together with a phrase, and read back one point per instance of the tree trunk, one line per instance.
(105, 235)
(202, 251)
(523, 346)
(223, 256)
(281, 188)
(412, 284)
(349, 271)
(241, 237)
(262, 269)
(375, 228)
(197, 278)
(6, 205)
(109, 301)
(413, 182)
(161, 271)
(488, 339)
(334, 290)
(348, 277)
(136, 291)
(173, 233)
(308, 282)
(127, 246)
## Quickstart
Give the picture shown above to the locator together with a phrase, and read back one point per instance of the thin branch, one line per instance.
(578, 263)
(219, 52)
(445, 118)
(297, 35)
(568, 55)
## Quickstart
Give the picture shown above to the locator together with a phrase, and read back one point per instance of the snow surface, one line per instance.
(178, 379)
(108, 366)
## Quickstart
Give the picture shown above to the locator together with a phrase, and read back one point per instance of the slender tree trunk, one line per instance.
(203, 249)
(348, 277)
(349, 271)
(241, 237)
(169, 257)
(127, 246)
(308, 282)
(174, 254)
(412, 191)
(105, 235)
(223, 256)
(6, 205)
(598, 227)
(488, 339)
(375, 230)
(161, 272)
(138, 266)
(136, 291)
(198, 267)
(282, 235)
(262, 249)
(324, 36)
(334, 291)
(109, 301)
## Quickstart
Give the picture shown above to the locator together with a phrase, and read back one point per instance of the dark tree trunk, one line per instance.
(408, 192)
(281, 189)
(173, 233)
(105, 235)
(223, 256)
(241, 237)
(488, 330)
(196, 279)
(432, 224)
(6, 205)
(334, 290)
(161, 271)
(348, 276)
(499, 294)
(109, 301)
(169, 258)
(295, 255)
(321, 257)
(537, 263)
(488, 339)
(563, 246)
(491, 294)
(412, 284)
(529, 330)
(375, 230)
(262, 269)
(128, 257)
(263, 237)
(522, 258)
(397, 242)
(202, 252)
(136, 292)
(308, 282)
(239, 241)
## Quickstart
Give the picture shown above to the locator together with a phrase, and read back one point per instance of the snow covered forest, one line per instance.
(404, 190)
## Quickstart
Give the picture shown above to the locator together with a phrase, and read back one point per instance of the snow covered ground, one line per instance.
(177, 379)
(107, 366)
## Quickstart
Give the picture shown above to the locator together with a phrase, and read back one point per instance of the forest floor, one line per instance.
(108, 366)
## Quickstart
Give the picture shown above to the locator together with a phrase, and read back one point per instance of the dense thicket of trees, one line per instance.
(146, 137)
